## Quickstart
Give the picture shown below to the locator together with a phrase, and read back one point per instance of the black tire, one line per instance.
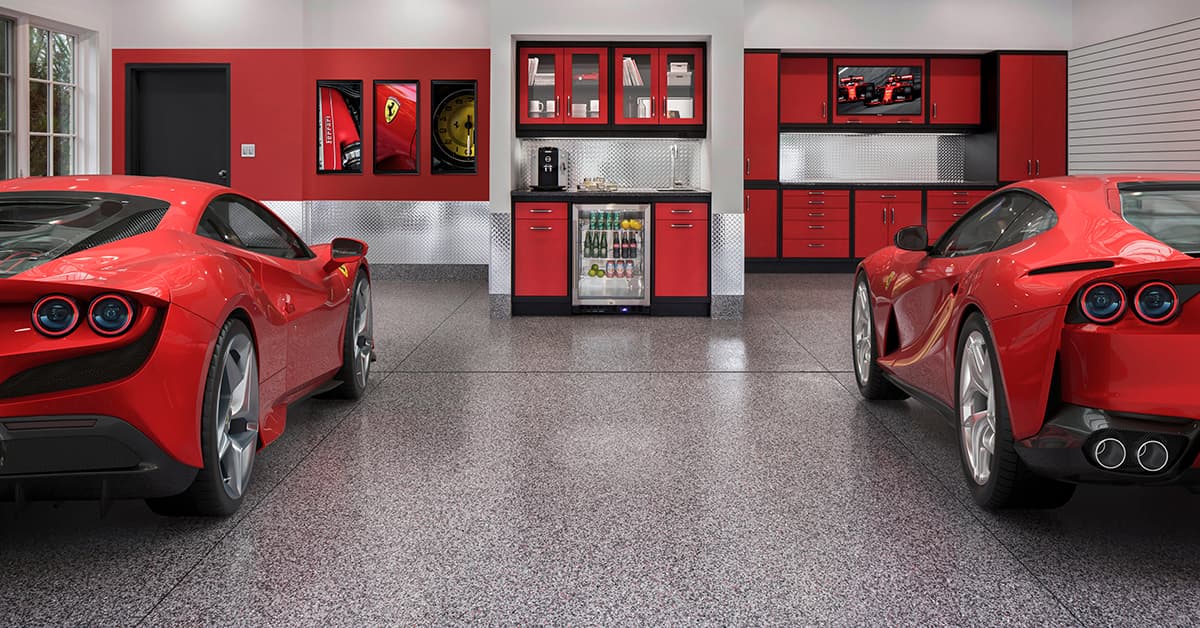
(1009, 484)
(207, 496)
(355, 374)
(872, 383)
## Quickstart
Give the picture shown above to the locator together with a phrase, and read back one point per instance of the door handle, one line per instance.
(747, 165)
(1037, 167)
(747, 203)
(824, 109)
(885, 215)
(1029, 167)
(223, 173)
(935, 110)
(684, 226)
(541, 228)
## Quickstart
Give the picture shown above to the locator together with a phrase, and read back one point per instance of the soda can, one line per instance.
(610, 268)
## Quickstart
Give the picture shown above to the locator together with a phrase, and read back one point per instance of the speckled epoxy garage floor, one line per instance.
(610, 470)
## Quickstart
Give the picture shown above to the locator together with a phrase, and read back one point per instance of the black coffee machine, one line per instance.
(551, 169)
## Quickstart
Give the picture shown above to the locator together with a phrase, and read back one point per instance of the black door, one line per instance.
(177, 121)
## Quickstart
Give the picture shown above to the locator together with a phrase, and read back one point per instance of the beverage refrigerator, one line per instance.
(610, 253)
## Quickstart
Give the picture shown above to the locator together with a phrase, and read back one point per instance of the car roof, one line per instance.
(182, 194)
(1058, 190)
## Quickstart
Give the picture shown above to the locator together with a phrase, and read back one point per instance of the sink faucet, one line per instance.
(674, 155)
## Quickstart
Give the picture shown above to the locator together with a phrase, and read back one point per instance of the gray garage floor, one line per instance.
(610, 470)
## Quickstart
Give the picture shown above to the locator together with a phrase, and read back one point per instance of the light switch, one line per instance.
(247, 150)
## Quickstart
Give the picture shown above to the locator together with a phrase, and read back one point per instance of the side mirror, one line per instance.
(914, 238)
(346, 250)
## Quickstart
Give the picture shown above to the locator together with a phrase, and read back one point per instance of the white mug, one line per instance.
(535, 106)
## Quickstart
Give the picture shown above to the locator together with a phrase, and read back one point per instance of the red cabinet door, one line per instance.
(540, 252)
(954, 90)
(635, 88)
(680, 82)
(803, 90)
(585, 85)
(762, 223)
(1015, 117)
(903, 215)
(540, 86)
(1050, 115)
(680, 257)
(871, 227)
(761, 109)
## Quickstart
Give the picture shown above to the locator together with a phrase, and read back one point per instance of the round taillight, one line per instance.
(110, 315)
(1156, 302)
(1103, 302)
(55, 316)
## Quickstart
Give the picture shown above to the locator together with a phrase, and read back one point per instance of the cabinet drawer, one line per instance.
(955, 198)
(540, 211)
(890, 197)
(828, 214)
(681, 211)
(832, 199)
(815, 194)
(816, 248)
(823, 229)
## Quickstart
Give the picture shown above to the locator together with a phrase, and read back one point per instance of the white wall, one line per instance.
(93, 19)
(1101, 20)
(579, 20)
(917, 25)
(396, 23)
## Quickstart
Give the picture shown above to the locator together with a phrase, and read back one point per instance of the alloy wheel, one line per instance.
(977, 407)
(237, 415)
(862, 333)
(364, 342)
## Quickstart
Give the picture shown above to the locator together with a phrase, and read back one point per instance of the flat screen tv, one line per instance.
(878, 90)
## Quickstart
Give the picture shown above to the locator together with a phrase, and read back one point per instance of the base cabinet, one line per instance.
(681, 250)
(540, 250)
(762, 223)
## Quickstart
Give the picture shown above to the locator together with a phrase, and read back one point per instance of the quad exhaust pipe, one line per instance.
(1110, 454)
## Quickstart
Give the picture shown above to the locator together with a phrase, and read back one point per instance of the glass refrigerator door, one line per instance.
(610, 249)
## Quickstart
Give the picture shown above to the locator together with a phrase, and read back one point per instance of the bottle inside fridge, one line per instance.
(610, 251)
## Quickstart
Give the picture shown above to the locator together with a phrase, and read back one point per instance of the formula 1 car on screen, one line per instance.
(854, 89)
(895, 89)
(1055, 324)
(153, 332)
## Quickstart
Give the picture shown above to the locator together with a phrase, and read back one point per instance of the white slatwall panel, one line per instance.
(1134, 102)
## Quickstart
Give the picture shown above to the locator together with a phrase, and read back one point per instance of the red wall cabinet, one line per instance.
(954, 89)
(681, 250)
(563, 85)
(1032, 116)
(659, 86)
(869, 115)
(761, 109)
(762, 223)
(879, 214)
(803, 90)
(540, 250)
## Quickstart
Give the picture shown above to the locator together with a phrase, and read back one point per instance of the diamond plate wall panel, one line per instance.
(500, 268)
(291, 212)
(872, 157)
(634, 163)
(728, 254)
(405, 232)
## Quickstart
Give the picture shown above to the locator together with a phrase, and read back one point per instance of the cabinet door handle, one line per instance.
(747, 165)
(567, 111)
(935, 110)
(1029, 167)
(816, 202)
(816, 245)
(541, 228)
(557, 109)
(684, 226)
(816, 214)
(541, 211)
(885, 215)
(1037, 167)
(824, 109)
(887, 196)
(893, 215)
(816, 226)
(958, 202)
(747, 203)
(682, 211)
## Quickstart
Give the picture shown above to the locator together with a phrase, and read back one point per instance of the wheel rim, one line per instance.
(237, 415)
(862, 333)
(363, 325)
(977, 407)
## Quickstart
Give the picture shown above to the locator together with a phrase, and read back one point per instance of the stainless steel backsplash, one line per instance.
(872, 157)
(627, 162)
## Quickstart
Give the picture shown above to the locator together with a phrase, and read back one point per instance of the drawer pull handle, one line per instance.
(958, 193)
(541, 228)
(958, 202)
(887, 196)
(816, 226)
(816, 245)
(816, 214)
(816, 193)
(681, 211)
(541, 211)
(816, 202)
(685, 226)
(956, 215)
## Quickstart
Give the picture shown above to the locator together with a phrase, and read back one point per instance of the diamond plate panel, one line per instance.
(728, 254)
(627, 162)
(291, 212)
(872, 157)
(500, 268)
(405, 232)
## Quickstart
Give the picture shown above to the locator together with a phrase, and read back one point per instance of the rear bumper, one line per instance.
(1061, 450)
(84, 457)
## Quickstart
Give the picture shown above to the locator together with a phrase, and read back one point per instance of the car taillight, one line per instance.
(1156, 302)
(1102, 302)
(110, 315)
(55, 316)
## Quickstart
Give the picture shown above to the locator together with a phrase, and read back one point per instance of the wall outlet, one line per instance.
(247, 150)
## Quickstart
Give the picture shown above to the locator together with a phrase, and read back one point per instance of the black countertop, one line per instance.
(624, 195)
(889, 186)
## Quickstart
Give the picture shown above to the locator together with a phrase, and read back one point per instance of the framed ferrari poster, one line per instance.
(396, 129)
(339, 126)
(455, 124)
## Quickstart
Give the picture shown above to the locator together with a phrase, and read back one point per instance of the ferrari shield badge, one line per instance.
(345, 272)
(390, 109)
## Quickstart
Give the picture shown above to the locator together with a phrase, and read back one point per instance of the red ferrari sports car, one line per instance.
(1053, 324)
(153, 332)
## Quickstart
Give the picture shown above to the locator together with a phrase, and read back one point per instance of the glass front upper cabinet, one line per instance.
(659, 86)
(563, 85)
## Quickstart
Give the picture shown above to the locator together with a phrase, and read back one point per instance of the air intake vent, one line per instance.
(137, 224)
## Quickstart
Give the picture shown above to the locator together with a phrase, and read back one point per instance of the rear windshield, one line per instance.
(1171, 216)
(38, 227)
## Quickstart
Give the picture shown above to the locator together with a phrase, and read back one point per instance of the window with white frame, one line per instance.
(52, 96)
(8, 157)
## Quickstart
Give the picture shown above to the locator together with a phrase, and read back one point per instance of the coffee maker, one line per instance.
(551, 169)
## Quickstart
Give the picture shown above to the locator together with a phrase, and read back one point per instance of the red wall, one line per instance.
(273, 100)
